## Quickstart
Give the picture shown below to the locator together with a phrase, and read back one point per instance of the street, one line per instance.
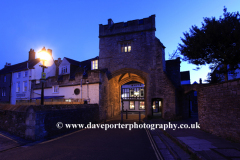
(89, 144)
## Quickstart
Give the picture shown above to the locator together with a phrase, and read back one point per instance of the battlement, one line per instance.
(138, 25)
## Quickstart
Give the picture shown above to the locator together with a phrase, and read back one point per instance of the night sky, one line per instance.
(71, 28)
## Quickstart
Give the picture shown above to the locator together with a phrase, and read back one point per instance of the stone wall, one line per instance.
(38, 122)
(219, 109)
(145, 60)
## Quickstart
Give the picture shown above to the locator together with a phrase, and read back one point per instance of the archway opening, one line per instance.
(134, 96)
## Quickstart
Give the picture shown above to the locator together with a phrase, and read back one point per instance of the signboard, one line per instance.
(43, 75)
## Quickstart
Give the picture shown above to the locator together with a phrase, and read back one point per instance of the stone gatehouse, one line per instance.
(130, 51)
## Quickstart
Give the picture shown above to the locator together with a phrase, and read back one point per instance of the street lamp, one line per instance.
(44, 56)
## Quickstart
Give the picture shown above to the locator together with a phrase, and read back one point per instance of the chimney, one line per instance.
(59, 60)
(31, 54)
(200, 81)
(110, 23)
(7, 64)
(49, 51)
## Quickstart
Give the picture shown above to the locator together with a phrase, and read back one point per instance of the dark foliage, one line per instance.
(217, 42)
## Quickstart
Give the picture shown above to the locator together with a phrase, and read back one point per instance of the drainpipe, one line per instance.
(81, 89)
(87, 91)
(29, 83)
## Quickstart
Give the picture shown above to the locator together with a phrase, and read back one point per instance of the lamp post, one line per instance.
(43, 55)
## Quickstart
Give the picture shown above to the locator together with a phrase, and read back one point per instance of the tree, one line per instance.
(173, 55)
(217, 42)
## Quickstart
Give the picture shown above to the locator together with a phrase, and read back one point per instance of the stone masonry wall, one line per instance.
(219, 109)
(38, 122)
(145, 60)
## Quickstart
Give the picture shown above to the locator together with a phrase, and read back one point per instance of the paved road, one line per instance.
(90, 144)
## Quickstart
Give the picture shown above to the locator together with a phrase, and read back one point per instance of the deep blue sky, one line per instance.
(71, 28)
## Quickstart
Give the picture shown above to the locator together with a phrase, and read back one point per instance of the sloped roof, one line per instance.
(73, 62)
(20, 66)
(82, 64)
(79, 66)
(185, 75)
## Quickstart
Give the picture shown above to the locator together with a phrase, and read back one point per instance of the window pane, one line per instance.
(131, 105)
(25, 86)
(129, 48)
(131, 93)
(122, 48)
(142, 105)
(125, 49)
(142, 93)
(55, 89)
(18, 87)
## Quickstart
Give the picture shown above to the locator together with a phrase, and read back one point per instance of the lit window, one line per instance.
(136, 93)
(95, 64)
(25, 74)
(55, 89)
(154, 106)
(18, 87)
(131, 105)
(126, 47)
(24, 86)
(5, 78)
(68, 100)
(18, 74)
(141, 105)
(64, 69)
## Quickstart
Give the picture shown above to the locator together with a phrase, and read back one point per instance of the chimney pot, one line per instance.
(110, 23)
(31, 54)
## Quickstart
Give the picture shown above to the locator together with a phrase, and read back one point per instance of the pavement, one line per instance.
(9, 141)
(198, 143)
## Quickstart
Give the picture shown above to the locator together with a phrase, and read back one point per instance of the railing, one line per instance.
(50, 101)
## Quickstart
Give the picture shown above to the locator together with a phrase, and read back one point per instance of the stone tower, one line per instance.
(129, 51)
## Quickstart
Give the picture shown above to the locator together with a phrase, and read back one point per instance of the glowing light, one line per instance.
(43, 55)
(136, 94)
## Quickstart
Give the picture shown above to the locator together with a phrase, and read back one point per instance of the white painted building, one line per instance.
(73, 82)
(25, 73)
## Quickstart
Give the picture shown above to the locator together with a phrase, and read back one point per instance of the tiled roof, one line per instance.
(82, 64)
(79, 66)
(73, 62)
(20, 66)
(185, 76)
